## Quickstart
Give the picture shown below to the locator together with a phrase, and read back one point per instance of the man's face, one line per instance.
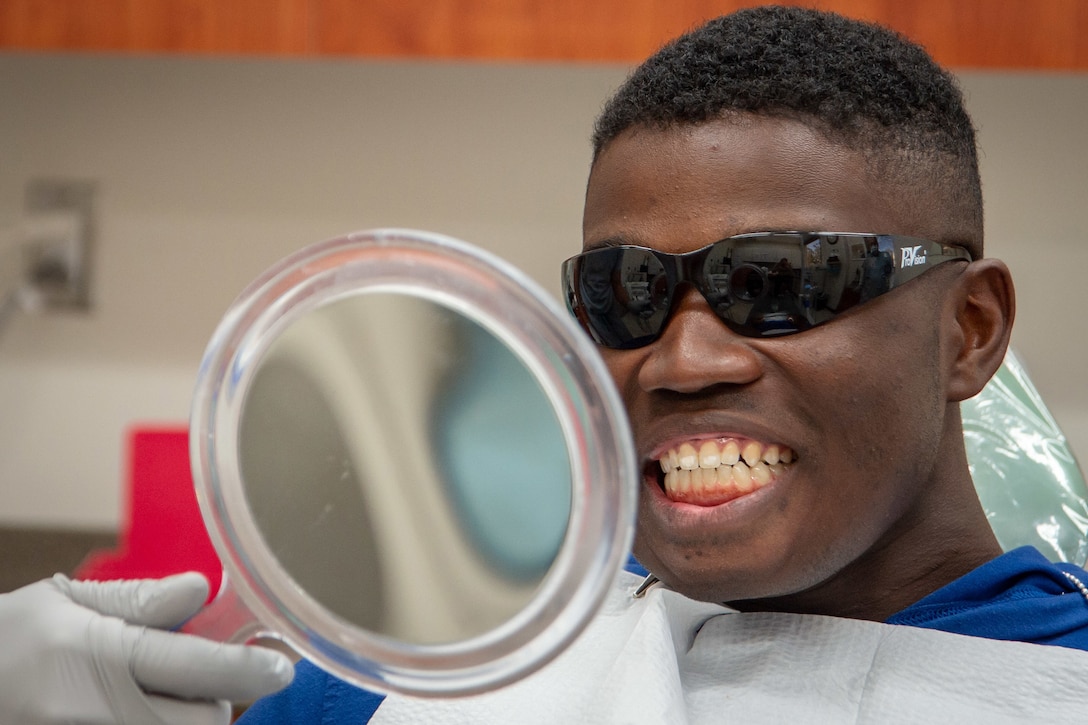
(857, 402)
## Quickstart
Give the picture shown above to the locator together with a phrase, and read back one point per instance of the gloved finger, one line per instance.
(183, 712)
(195, 668)
(161, 603)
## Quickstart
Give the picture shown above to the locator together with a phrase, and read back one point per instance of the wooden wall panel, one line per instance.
(1026, 34)
(272, 27)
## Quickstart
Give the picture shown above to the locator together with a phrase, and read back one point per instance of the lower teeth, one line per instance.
(727, 480)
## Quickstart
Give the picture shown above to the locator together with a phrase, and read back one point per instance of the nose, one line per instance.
(696, 351)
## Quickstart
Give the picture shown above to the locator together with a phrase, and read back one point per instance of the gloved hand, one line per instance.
(98, 652)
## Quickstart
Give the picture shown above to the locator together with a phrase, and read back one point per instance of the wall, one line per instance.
(210, 170)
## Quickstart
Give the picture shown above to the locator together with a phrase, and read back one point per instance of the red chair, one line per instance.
(161, 530)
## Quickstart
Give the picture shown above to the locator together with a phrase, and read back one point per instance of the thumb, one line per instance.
(193, 668)
(160, 603)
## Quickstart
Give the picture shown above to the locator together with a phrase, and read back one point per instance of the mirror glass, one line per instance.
(404, 467)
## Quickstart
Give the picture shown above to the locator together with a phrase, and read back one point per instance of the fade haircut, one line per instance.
(860, 85)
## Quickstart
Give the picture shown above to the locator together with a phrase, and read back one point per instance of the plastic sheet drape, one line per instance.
(1026, 476)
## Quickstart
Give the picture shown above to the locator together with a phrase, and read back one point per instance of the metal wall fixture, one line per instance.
(56, 240)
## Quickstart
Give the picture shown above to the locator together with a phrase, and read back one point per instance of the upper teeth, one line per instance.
(723, 452)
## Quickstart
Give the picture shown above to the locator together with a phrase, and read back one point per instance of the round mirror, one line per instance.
(413, 465)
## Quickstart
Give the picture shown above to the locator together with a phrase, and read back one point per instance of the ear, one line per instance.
(984, 305)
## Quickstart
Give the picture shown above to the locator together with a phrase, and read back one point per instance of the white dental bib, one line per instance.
(667, 659)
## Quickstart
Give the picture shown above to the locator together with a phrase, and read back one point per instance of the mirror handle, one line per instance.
(225, 619)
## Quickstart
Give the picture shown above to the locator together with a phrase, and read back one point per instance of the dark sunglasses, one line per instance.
(764, 284)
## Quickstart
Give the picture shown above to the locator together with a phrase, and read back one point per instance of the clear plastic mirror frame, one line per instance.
(560, 356)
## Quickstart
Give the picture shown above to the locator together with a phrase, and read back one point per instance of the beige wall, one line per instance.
(210, 170)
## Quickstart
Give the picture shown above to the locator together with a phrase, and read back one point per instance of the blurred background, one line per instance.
(196, 142)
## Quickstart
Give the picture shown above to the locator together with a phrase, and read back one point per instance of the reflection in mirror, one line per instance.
(404, 467)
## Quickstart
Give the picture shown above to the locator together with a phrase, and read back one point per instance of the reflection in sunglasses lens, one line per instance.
(747, 283)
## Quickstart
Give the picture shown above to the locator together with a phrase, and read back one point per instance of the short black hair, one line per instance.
(859, 84)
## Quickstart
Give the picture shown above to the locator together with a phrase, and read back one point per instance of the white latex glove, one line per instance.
(99, 652)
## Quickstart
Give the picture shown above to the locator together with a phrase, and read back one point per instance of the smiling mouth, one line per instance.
(712, 472)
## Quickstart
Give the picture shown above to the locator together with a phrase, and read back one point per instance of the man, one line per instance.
(794, 406)
(784, 119)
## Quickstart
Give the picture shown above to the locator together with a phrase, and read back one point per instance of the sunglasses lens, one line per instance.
(623, 295)
(754, 288)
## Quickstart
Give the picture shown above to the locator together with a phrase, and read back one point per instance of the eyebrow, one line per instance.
(615, 240)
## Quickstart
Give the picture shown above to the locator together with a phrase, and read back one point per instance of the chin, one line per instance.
(715, 586)
(731, 584)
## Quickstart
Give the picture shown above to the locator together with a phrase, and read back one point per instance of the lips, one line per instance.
(709, 472)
